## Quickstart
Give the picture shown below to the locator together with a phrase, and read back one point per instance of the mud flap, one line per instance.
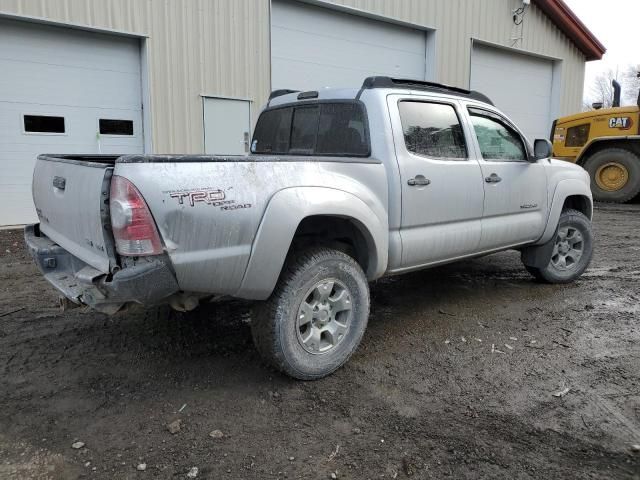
(538, 256)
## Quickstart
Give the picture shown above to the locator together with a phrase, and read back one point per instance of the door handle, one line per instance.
(246, 142)
(418, 181)
(493, 178)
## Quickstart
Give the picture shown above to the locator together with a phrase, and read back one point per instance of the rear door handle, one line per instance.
(418, 181)
(493, 178)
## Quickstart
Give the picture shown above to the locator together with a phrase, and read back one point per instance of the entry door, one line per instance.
(515, 201)
(441, 183)
(227, 126)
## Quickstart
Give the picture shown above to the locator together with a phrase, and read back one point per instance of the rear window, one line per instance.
(273, 131)
(304, 130)
(329, 129)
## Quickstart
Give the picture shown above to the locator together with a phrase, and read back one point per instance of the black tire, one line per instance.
(626, 158)
(275, 327)
(572, 219)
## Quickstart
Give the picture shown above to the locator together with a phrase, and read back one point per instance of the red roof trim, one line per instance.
(569, 23)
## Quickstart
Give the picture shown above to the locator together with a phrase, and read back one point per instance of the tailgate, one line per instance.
(71, 198)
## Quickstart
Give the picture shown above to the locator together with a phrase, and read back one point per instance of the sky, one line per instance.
(616, 24)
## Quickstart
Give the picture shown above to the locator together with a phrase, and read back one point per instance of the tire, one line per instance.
(554, 272)
(286, 332)
(622, 164)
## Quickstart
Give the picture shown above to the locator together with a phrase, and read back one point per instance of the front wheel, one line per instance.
(571, 252)
(316, 316)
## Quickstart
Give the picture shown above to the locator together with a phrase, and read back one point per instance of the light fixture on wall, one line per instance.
(518, 15)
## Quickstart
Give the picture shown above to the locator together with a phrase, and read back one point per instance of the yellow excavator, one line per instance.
(606, 143)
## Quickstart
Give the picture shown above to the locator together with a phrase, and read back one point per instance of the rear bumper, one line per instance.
(149, 282)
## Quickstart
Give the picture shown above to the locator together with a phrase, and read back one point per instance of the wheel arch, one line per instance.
(569, 193)
(581, 203)
(346, 234)
(315, 215)
(631, 143)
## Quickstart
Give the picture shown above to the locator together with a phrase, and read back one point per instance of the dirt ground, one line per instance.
(455, 379)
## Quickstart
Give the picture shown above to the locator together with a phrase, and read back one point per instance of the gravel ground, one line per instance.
(455, 378)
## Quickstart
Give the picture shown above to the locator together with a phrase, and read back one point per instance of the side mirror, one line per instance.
(542, 148)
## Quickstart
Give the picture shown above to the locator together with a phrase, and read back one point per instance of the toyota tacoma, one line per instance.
(342, 187)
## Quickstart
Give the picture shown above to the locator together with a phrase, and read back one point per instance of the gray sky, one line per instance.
(615, 23)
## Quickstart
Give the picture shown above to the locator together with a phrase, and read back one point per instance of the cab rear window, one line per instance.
(318, 128)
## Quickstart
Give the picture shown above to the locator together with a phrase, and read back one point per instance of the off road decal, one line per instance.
(209, 196)
(621, 123)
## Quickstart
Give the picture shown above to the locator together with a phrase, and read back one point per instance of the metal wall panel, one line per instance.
(195, 47)
(221, 47)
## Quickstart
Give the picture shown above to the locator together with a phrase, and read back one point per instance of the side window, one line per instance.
(497, 140)
(304, 130)
(577, 136)
(432, 130)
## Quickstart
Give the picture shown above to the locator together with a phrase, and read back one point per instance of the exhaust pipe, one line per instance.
(616, 93)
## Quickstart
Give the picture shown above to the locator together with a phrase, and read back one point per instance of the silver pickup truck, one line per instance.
(342, 187)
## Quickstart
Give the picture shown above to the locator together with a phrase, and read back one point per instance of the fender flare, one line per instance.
(565, 188)
(286, 209)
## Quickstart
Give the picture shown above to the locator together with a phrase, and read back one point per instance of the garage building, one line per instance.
(190, 76)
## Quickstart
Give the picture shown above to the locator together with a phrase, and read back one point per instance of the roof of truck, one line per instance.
(280, 97)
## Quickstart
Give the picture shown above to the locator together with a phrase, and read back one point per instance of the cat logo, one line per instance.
(622, 123)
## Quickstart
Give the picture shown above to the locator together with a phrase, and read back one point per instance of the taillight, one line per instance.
(133, 227)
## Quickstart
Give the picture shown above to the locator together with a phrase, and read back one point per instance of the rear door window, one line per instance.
(432, 130)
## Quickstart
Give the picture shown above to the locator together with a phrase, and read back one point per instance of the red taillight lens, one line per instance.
(133, 227)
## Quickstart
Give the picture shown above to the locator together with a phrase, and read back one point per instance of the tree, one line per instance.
(631, 84)
(602, 90)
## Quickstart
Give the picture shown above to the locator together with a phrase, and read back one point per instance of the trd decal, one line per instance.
(209, 196)
(622, 123)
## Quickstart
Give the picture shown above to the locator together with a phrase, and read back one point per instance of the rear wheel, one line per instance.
(572, 250)
(615, 175)
(316, 316)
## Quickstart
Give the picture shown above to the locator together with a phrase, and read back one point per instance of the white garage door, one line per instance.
(62, 91)
(314, 47)
(519, 85)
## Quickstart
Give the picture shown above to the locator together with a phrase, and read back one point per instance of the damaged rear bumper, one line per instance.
(150, 281)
